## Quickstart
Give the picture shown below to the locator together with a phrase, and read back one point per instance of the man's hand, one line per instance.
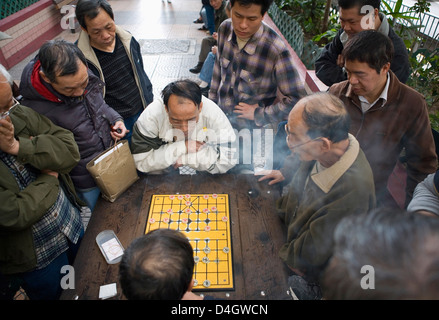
(118, 131)
(50, 172)
(246, 111)
(275, 175)
(8, 143)
(193, 146)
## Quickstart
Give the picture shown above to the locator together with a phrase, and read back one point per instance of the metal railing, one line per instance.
(8, 7)
(429, 24)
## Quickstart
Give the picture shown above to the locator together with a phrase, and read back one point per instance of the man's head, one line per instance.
(352, 14)
(157, 266)
(247, 16)
(97, 19)
(395, 251)
(63, 65)
(315, 123)
(183, 104)
(6, 98)
(216, 4)
(367, 59)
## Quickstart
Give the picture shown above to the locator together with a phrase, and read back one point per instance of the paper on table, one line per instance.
(107, 291)
(112, 249)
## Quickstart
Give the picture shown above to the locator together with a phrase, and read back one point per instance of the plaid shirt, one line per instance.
(60, 223)
(261, 73)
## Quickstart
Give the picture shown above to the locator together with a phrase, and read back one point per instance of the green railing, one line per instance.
(8, 7)
(293, 33)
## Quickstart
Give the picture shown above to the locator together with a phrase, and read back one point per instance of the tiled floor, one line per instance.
(151, 19)
(154, 19)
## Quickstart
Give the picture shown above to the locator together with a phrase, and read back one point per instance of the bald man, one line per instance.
(334, 180)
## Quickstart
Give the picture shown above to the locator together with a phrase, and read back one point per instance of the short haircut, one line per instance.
(157, 266)
(60, 58)
(90, 9)
(265, 4)
(349, 4)
(183, 88)
(402, 247)
(325, 116)
(371, 47)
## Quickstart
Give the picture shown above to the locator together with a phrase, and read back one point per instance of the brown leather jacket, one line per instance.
(383, 131)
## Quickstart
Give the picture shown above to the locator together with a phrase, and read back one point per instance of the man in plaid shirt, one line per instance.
(254, 80)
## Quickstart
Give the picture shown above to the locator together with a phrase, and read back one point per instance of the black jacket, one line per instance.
(329, 72)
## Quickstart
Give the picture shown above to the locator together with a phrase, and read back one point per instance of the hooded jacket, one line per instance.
(88, 116)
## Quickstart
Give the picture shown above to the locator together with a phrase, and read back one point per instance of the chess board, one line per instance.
(205, 220)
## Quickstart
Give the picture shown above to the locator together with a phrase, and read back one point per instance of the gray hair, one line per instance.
(6, 74)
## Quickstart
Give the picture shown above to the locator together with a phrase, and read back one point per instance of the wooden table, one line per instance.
(257, 234)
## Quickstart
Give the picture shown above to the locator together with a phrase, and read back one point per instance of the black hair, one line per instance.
(90, 9)
(371, 47)
(157, 266)
(265, 4)
(183, 88)
(349, 4)
(60, 58)
(325, 116)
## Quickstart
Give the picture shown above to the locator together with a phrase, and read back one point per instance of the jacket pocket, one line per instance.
(248, 87)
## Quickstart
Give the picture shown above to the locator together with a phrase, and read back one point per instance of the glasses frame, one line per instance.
(300, 144)
(3, 115)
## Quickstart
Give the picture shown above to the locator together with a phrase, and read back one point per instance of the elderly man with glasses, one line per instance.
(333, 180)
(40, 220)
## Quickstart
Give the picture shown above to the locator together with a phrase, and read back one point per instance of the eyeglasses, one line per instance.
(300, 144)
(6, 113)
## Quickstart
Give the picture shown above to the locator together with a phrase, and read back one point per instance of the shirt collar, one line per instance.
(252, 43)
(326, 179)
(383, 96)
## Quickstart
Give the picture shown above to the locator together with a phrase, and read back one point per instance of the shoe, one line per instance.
(198, 20)
(203, 28)
(205, 91)
(302, 290)
(197, 68)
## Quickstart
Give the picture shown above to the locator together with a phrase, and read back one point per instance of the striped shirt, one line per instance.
(262, 72)
(61, 222)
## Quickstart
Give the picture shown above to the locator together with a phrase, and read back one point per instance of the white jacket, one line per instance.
(154, 147)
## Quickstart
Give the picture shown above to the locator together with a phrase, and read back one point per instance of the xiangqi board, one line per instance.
(205, 220)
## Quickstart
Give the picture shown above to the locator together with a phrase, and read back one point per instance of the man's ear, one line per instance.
(45, 78)
(386, 68)
(200, 106)
(191, 285)
(326, 144)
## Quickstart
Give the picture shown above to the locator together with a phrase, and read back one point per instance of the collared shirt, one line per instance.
(325, 179)
(365, 105)
(60, 223)
(262, 73)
